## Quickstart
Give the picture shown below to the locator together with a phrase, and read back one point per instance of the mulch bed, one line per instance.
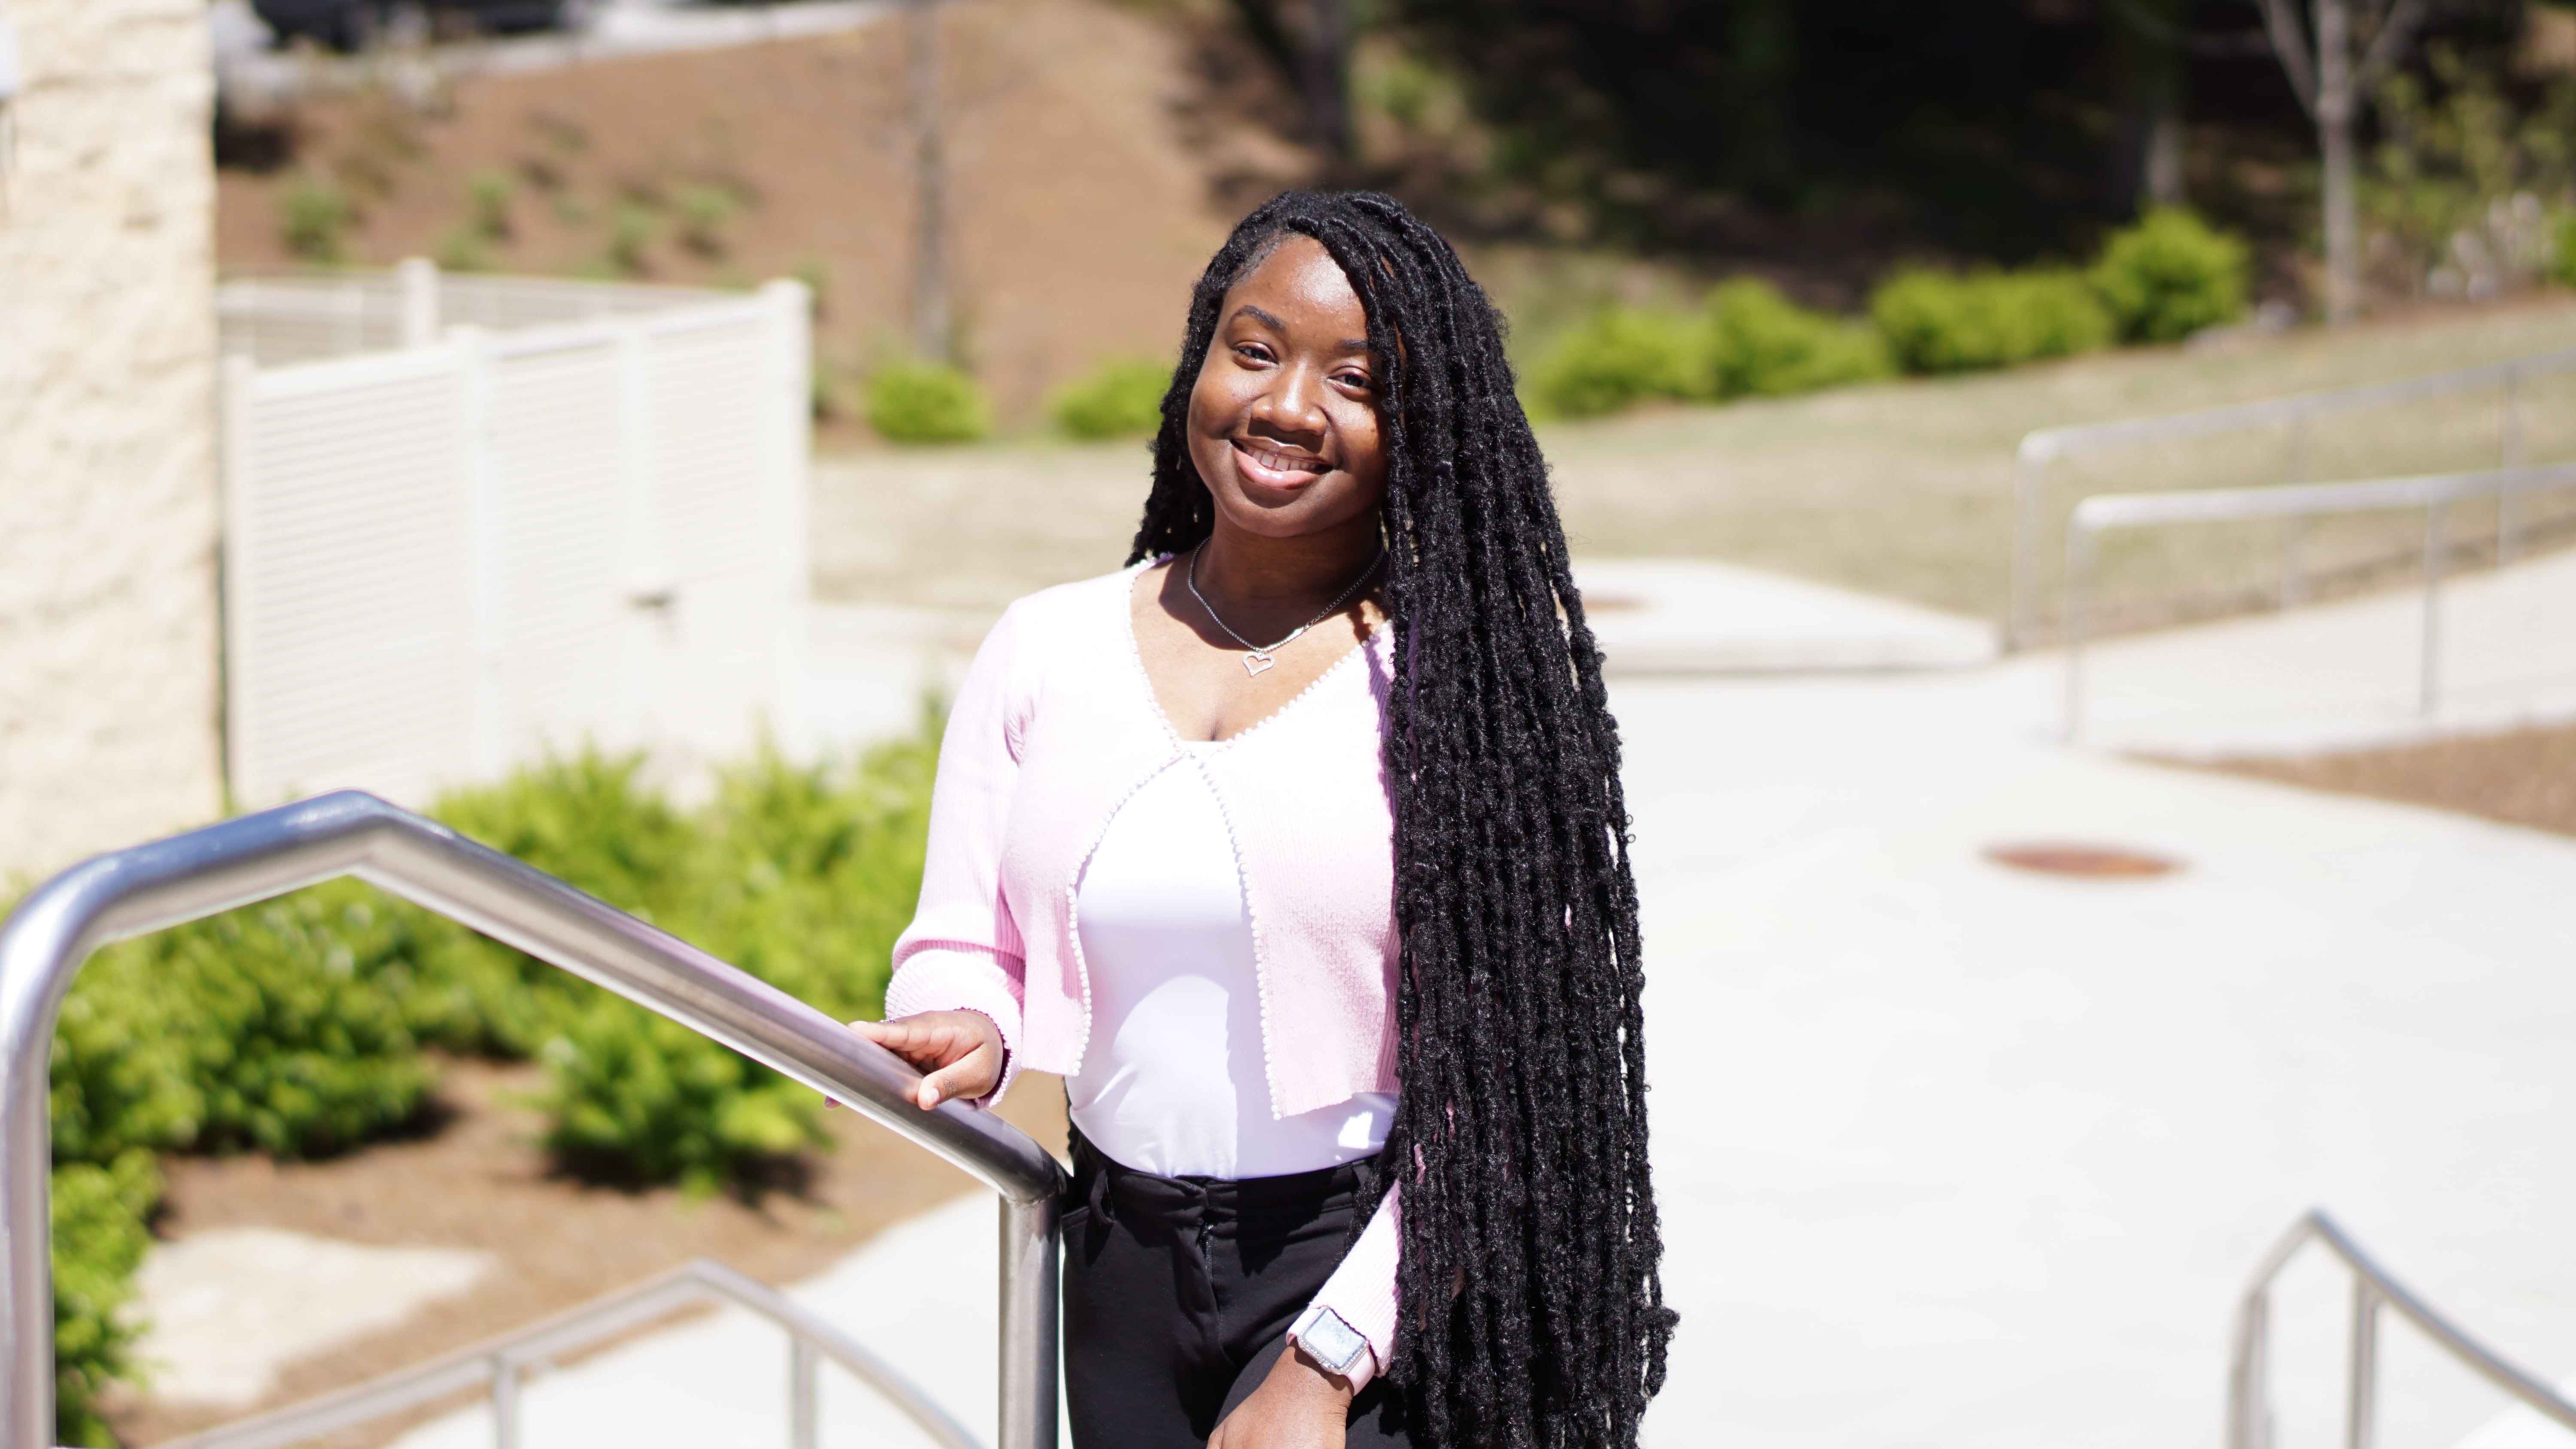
(481, 1182)
(2522, 777)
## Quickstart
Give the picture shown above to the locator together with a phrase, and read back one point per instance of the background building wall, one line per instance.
(108, 626)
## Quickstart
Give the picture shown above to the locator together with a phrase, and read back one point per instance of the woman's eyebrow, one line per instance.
(1347, 344)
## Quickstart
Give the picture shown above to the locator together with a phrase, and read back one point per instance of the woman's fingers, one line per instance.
(971, 1076)
(959, 1051)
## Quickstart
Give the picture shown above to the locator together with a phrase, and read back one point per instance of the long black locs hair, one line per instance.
(1531, 1303)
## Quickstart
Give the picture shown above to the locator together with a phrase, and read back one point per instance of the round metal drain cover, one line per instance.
(2093, 862)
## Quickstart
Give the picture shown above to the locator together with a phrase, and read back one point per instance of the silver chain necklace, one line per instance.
(1259, 657)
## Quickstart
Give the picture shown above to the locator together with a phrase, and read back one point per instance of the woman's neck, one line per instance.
(1247, 573)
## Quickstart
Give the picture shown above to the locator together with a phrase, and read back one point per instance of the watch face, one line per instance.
(1335, 1344)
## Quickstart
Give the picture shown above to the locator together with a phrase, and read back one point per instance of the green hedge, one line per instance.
(1623, 356)
(1937, 322)
(2170, 276)
(1121, 398)
(297, 1027)
(926, 402)
(1763, 345)
(99, 1216)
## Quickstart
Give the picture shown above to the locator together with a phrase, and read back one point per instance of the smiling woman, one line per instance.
(1298, 848)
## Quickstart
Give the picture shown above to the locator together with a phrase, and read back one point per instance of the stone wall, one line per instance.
(109, 690)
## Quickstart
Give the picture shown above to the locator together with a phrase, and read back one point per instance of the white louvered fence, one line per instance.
(447, 558)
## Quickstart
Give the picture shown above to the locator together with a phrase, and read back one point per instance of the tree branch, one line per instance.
(2393, 34)
(2290, 43)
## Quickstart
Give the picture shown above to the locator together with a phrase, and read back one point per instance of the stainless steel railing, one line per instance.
(2249, 1417)
(2434, 493)
(149, 887)
(2298, 414)
(500, 1365)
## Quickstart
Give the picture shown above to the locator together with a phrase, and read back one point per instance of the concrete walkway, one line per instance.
(1955, 1155)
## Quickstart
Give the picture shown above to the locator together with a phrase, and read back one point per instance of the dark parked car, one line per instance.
(353, 24)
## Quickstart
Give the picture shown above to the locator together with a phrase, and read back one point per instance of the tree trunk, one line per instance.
(1324, 74)
(930, 322)
(2335, 107)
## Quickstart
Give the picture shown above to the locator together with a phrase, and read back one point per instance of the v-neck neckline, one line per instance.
(1154, 700)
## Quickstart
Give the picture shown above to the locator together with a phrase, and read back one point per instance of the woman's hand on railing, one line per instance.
(960, 1052)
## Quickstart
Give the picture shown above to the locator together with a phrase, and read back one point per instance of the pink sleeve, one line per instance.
(962, 951)
(1362, 1290)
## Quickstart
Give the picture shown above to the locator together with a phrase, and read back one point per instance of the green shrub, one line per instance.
(1935, 322)
(1621, 357)
(295, 1026)
(801, 875)
(705, 212)
(1763, 345)
(2566, 236)
(279, 1027)
(313, 218)
(99, 1214)
(926, 402)
(2170, 276)
(1122, 398)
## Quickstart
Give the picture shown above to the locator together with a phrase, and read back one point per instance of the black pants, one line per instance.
(1178, 1293)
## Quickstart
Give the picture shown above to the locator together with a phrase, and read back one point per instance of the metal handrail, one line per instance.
(2249, 1422)
(2046, 445)
(149, 887)
(2432, 492)
(499, 1365)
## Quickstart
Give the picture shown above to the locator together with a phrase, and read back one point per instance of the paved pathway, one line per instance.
(1953, 1155)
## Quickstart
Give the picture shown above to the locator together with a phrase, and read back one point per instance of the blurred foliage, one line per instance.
(926, 402)
(1763, 345)
(1940, 322)
(99, 1216)
(1120, 398)
(296, 1027)
(279, 1028)
(1621, 357)
(2462, 189)
(314, 215)
(2170, 276)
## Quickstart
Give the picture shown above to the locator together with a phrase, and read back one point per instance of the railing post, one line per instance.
(2509, 455)
(801, 1363)
(505, 1403)
(2437, 547)
(2360, 1427)
(1028, 1348)
(2294, 579)
(2028, 485)
(2299, 461)
(2079, 587)
(2249, 1393)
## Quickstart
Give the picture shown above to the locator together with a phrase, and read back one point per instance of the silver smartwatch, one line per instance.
(1329, 1341)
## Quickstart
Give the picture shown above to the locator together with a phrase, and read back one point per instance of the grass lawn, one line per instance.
(2521, 777)
(1899, 488)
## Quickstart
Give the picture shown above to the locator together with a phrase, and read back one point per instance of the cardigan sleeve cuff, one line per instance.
(961, 978)
(1361, 1291)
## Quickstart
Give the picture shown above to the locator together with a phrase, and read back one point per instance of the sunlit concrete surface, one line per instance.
(229, 1307)
(1955, 1155)
(2343, 674)
(1688, 615)
(921, 1295)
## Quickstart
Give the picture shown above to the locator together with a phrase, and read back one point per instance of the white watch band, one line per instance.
(1328, 1340)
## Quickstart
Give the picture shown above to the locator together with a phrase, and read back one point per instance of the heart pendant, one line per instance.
(1256, 661)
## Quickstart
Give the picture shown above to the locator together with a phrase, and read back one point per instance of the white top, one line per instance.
(1174, 1082)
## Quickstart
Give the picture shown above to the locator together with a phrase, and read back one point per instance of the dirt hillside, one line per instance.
(1084, 174)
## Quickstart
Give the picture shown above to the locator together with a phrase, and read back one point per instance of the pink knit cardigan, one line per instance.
(1056, 727)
